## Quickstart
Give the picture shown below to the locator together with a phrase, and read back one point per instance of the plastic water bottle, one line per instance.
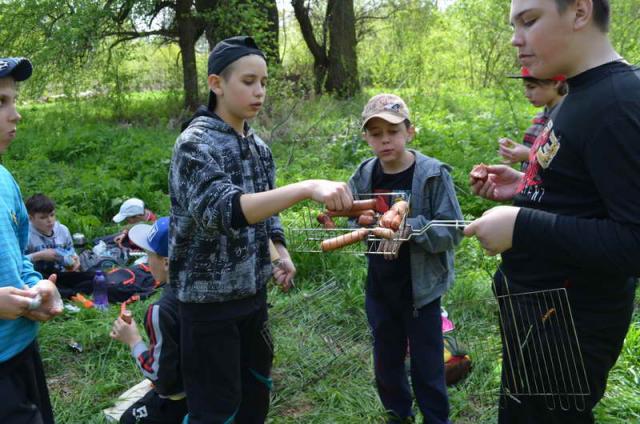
(100, 296)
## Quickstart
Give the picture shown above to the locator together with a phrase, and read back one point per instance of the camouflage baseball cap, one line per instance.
(389, 107)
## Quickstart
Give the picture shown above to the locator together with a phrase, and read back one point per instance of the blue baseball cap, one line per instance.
(154, 238)
(17, 67)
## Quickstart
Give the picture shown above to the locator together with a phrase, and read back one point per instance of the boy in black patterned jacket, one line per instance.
(224, 208)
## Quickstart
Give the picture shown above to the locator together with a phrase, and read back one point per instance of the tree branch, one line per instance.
(302, 16)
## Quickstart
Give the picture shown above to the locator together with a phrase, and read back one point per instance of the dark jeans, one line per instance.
(23, 387)
(226, 365)
(392, 328)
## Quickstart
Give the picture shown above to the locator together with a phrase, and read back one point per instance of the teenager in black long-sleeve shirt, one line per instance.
(575, 222)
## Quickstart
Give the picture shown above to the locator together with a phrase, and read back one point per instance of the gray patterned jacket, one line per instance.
(209, 260)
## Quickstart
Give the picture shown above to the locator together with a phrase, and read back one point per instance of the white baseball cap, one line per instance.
(130, 207)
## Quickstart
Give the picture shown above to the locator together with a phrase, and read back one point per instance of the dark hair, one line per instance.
(39, 203)
(562, 89)
(601, 12)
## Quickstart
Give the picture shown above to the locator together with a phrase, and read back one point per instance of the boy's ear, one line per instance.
(412, 132)
(214, 81)
(165, 260)
(583, 13)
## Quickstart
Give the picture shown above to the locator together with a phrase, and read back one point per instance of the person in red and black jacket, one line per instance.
(160, 360)
(540, 92)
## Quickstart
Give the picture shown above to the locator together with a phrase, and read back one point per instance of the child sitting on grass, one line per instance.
(132, 211)
(403, 289)
(160, 361)
(50, 245)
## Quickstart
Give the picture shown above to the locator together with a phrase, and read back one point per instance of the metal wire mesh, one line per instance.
(534, 335)
(320, 336)
(308, 235)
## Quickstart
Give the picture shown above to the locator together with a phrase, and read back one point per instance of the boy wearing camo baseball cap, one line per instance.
(404, 285)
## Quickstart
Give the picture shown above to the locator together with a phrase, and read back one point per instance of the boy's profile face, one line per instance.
(159, 266)
(9, 116)
(242, 93)
(543, 36)
(540, 93)
(387, 140)
(43, 221)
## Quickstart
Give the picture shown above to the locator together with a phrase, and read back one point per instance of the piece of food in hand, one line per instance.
(344, 240)
(366, 220)
(507, 143)
(386, 233)
(401, 207)
(126, 315)
(35, 302)
(325, 220)
(479, 172)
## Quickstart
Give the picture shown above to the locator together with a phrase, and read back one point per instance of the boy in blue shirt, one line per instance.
(24, 297)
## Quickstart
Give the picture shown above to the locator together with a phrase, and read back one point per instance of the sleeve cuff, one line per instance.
(138, 349)
(278, 238)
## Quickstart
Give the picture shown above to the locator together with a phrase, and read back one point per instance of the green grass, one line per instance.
(89, 159)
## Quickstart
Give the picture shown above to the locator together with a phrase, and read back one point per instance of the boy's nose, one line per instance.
(14, 115)
(516, 39)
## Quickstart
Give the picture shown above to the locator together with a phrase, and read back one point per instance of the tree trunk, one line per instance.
(189, 30)
(318, 51)
(271, 45)
(342, 72)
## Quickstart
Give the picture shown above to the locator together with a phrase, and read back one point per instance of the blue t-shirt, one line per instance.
(15, 268)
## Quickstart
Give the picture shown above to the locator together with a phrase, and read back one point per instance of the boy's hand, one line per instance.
(125, 333)
(76, 264)
(50, 302)
(14, 302)
(284, 272)
(494, 229)
(335, 195)
(500, 183)
(119, 239)
(512, 152)
(391, 247)
(48, 255)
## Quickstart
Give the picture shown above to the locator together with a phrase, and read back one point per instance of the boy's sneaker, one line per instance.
(394, 419)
